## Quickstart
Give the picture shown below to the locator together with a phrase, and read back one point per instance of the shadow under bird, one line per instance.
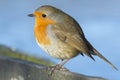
(59, 35)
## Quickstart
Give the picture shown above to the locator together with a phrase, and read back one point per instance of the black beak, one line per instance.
(31, 15)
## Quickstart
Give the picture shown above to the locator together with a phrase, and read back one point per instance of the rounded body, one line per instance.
(56, 48)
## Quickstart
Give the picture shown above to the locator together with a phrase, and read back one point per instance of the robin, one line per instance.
(59, 35)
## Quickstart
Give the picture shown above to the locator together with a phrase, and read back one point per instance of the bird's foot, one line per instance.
(56, 67)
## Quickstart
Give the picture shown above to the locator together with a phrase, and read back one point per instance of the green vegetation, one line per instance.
(8, 52)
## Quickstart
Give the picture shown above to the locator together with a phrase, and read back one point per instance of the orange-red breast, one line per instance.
(61, 36)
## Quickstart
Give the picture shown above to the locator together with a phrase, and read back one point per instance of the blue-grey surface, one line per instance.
(99, 19)
(14, 69)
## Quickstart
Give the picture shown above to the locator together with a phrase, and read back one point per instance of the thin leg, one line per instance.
(62, 62)
(58, 66)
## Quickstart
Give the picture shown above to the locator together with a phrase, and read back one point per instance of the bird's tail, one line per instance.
(102, 57)
(93, 51)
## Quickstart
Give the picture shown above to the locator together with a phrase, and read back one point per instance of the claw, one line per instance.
(53, 68)
(59, 66)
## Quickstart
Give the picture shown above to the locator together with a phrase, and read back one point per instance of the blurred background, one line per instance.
(99, 19)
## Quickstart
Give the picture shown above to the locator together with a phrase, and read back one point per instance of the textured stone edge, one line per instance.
(14, 69)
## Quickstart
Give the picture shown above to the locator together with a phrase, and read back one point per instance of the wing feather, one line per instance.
(73, 37)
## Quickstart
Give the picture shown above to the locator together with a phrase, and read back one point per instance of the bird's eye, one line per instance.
(44, 15)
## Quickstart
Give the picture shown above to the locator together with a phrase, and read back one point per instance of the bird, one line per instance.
(61, 36)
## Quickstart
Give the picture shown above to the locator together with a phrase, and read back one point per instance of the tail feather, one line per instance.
(102, 57)
(93, 51)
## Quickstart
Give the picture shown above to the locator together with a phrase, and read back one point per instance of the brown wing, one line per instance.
(72, 36)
